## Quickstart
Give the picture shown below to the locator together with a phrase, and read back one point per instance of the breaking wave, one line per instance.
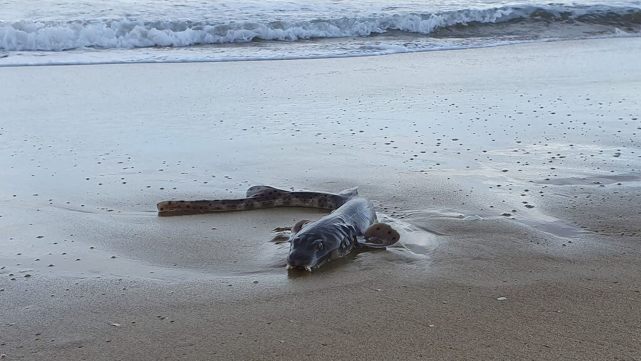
(132, 33)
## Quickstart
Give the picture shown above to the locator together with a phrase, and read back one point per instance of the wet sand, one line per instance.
(513, 174)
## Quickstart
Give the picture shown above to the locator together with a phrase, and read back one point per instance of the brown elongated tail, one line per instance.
(267, 198)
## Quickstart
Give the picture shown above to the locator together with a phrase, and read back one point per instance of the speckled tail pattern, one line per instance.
(258, 197)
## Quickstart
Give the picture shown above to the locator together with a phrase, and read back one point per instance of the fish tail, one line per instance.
(180, 208)
(258, 197)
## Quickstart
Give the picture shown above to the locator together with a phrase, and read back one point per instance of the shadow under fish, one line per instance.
(352, 224)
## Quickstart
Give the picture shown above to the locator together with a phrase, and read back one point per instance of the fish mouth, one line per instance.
(301, 268)
(308, 267)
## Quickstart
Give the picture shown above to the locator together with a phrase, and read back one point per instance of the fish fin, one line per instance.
(299, 225)
(349, 193)
(281, 237)
(284, 234)
(263, 190)
(380, 235)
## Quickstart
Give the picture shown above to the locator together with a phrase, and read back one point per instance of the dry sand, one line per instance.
(513, 174)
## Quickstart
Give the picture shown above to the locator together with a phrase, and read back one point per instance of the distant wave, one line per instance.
(132, 33)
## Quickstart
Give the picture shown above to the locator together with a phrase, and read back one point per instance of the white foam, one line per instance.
(333, 48)
(27, 35)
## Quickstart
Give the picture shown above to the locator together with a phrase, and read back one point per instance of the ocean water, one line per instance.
(37, 32)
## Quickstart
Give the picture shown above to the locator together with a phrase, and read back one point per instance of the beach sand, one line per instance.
(513, 174)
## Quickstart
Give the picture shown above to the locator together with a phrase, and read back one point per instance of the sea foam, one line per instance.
(127, 33)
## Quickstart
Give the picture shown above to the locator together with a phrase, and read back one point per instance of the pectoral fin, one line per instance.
(281, 237)
(380, 235)
(299, 225)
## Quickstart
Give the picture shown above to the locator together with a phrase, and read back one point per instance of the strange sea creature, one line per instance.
(351, 225)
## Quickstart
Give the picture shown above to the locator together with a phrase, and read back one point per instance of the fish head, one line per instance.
(310, 250)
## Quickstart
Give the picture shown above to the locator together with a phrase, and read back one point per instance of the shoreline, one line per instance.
(511, 173)
(328, 57)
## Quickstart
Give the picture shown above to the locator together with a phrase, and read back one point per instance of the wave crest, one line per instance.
(131, 33)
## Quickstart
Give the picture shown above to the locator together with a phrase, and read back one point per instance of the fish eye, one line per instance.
(319, 245)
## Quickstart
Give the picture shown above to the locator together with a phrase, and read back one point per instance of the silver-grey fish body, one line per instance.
(333, 236)
(351, 224)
